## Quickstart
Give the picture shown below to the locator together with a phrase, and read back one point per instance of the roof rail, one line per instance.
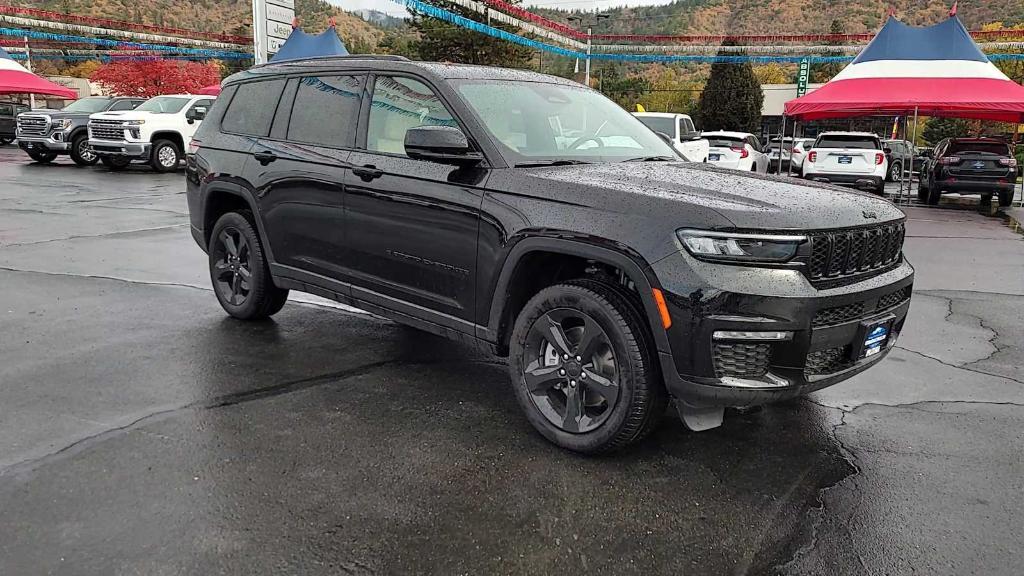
(335, 57)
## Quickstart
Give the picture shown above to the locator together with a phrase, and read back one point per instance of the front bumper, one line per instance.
(826, 327)
(120, 148)
(54, 142)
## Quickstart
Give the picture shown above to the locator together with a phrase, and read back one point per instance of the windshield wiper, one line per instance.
(539, 163)
(654, 159)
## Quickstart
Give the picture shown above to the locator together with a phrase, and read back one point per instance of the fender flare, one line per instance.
(218, 187)
(632, 265)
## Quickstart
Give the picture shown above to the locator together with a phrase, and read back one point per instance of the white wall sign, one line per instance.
(272, 23)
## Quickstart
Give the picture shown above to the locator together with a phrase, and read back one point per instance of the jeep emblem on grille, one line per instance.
(869, 214)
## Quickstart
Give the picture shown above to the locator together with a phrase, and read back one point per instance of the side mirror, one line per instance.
(195, 114)
(665, 137)
(887, 150)
(441, 144)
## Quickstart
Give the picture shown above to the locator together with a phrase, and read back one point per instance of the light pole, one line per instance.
(590, 31)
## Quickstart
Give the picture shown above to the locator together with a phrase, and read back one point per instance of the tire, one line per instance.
(115, 163)
(895, 172)
(922, 188)
(986, 199)
(880, 189)
(258, 300)
(6, 141)
(42, 157)
(1006, 198)
(81, 153)
(623, 363)
(165, 156)
(934, 195)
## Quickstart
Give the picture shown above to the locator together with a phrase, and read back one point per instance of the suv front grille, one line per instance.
(106, 129)
(828, 361)
(847, 254)
(33, 125)
(741, 360)
(848, 312)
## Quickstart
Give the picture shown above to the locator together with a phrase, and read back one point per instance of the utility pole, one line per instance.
(28, 64)
(590, 32)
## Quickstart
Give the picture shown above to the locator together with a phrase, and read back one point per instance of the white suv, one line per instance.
(848, 158)
(158, 131)
(736, 150)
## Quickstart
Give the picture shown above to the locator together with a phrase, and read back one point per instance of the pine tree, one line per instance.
(732, 98)
(445, 42)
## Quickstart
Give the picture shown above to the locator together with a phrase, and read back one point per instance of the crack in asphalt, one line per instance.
(965, 367)
(104, 235)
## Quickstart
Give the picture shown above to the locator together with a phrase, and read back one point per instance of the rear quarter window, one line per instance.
(326, 110)
(252, 108)
(840, 141)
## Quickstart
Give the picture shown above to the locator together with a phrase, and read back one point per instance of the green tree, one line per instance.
(941, 128)
(821, 73)
(732, 99)
(445, 42)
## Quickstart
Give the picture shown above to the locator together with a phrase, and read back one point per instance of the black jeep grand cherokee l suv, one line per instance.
(534, 216)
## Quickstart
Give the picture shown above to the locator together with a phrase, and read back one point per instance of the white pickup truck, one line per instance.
(158, 131)
(679, 128)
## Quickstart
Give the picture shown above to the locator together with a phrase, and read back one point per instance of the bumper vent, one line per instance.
(841, 314)
(847, 254)
(828, 361)
(741, 360)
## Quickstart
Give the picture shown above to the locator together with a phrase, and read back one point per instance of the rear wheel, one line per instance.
(239, 270)
(1006, 198)
(880, 189)
(922, 188)
(165, 156)
(116, 163)
(934, 195)
(584, 368)
(81, 152)
(42, 157)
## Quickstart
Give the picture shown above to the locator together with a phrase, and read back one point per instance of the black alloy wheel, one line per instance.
(571, 372)
(896, 172)
(584, 367)
(233, 270)
(239, 271)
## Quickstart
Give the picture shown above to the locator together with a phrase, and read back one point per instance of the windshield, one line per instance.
(534, 122)
(995, 148)
(660, 124)
(89, 105)
(844, 141)
(163, 105)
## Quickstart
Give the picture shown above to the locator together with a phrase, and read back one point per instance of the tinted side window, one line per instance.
(6, 110)
(124, 105)
(326, 110)
(252, 109)
(398, 105)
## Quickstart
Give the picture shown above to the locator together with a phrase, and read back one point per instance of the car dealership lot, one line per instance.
(142, 431)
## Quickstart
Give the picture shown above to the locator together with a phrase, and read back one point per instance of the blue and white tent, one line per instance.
(300, 45)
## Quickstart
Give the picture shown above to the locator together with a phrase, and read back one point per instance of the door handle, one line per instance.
(368, 172)
(265, 157)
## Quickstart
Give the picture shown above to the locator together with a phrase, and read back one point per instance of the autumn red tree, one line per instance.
(149, 78)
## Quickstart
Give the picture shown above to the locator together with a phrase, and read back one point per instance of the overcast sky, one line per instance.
(389, 7)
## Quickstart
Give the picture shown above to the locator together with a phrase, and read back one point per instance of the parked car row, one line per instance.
(114, 131)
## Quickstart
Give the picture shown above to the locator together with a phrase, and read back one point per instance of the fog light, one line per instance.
(739, 335)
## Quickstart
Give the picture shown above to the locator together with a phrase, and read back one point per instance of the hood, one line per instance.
(748, 201)
(123, 115)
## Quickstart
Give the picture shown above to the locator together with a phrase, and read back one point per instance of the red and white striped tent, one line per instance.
(936, 71)
(15, 79)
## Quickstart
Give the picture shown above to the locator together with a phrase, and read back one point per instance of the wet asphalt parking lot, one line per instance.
(144, 432)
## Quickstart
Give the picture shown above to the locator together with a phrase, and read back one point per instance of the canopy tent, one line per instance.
(211, 90)
(301, 45)
(936, 71)
(15, 79)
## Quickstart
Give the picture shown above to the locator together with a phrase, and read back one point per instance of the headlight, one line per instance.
(62, 124)
(134, 122)
(740, 247)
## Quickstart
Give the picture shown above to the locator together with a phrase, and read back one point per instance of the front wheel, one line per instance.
(5, 141)
(81, 153)
(584, 369)
(42, 157)
(239, 270)
(116, 163)
(165, 156)
(896, 172)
